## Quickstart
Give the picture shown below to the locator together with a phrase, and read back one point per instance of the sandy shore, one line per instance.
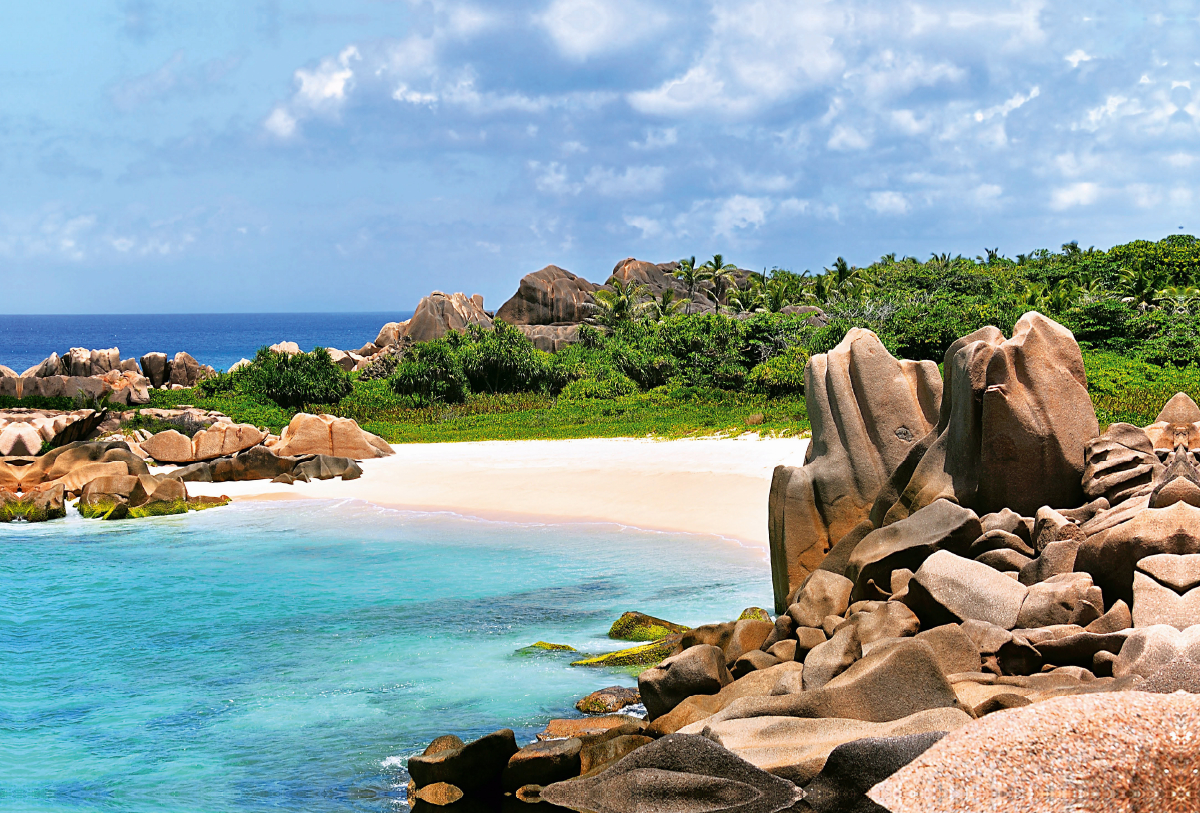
(707, 485)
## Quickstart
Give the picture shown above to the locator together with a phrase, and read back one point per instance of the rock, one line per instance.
(19, 439)
(855, 767)
(1037, 419)
(752, 661)
(441, 794)
(559, 729)
(543, 763)
(1057, 559)
(550, 338)
(1149, 649)
(759, 683)
(1010, 522)
(949, 588)
(223, 439)
(256, 463)
(39, 506)
(634, 626)
(783, 650)
(696, 670)
(1179, 674)
(797, 749)
(783, 630)
(856, 447)
(601, 751)
(552, 295)
(1179, 572)
(1120, 464)
(472, 767)
(1155, 603)
(643, 655)
(1052, 601)
(329, 435)
(824, 593)
(748, 636)
(1080, 649)
(608, 701)
(997, 540)
(830, 659)
(953, 649)
(894, 680)
(156, 368)
(287, 348)
(185, 371)
(939, 526)
(1051, 526)
(1109, 556)
(680, 774)
(807, 639)
(327, 467)
(1116, 752)
(439, 314)
(169, 447)
(1006, 561)
(718, 635)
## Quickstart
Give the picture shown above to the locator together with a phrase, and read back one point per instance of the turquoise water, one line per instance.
(289, 656)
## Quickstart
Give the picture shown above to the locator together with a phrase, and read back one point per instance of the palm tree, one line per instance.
(622, 304)
(691, 276)
(721, 273)
(1140, 285)
(666, 305)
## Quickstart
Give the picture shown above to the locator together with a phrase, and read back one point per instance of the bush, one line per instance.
(608, 384)
(503, 359)
(432, 373)
(780, 375)
(382, 367)
(1101, 323)
(292, 381)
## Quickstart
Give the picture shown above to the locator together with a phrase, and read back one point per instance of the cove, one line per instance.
(291, 655)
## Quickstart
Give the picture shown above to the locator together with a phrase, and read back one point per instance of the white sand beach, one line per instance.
(705, 485)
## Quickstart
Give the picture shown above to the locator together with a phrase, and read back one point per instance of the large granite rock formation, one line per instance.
(868, 411)
(547, 297)
(435, 316)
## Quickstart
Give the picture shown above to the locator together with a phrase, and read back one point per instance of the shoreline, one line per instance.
(713, 486)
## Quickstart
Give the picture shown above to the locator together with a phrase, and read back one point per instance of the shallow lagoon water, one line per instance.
(291, 655)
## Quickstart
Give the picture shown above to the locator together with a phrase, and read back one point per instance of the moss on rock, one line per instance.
(754, 614)
(548, 647)
(633, 626)
(645, 655)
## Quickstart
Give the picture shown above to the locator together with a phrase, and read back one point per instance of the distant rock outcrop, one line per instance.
(550, 296)
(435, 316)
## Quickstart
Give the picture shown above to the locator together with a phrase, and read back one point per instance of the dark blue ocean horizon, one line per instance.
(219, 339)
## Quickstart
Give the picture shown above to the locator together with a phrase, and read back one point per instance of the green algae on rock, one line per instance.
(544, 646)
(644, 655)
(634, 626)
(754, 614)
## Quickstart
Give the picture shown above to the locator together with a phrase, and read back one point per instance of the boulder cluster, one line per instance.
(956, 544)
(107, 467)
(102, 375)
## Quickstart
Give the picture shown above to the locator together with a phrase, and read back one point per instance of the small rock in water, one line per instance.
(609, 700)
(633, 626)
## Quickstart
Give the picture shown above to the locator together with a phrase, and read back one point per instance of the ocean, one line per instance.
(290, 656)
(218, 339)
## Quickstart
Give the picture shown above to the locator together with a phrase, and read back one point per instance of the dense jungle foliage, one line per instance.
(646, 366)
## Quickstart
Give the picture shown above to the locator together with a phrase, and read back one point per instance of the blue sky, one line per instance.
(354, 155)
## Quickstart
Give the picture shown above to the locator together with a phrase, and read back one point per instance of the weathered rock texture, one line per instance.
(868, 411)
(435, 316)
(547, 297)
(328, 435)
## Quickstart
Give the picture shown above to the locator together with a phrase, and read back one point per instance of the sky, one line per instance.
(168, 156)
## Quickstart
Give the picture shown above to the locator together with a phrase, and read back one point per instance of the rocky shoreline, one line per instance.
(965, 568)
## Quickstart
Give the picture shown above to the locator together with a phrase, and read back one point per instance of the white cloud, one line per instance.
(1002, 110)
(648, 226)
(581, 29)
(633, 181)
(987, 194)
(656, 138)
(552, 179)
(1077, 194)
(845, 137)
(740, 212)
(1077, 56)
(280, 123)
(761, 52)
(888, 203)
(326, 86)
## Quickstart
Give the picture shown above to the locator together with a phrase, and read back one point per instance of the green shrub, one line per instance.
(780, 375)
(292, 381)
(381, 368)
(608, 384)
(503, 359)
(1101, 323)
(432, 373)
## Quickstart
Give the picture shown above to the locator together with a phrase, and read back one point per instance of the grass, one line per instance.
(1128, 390)
(527, 416)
